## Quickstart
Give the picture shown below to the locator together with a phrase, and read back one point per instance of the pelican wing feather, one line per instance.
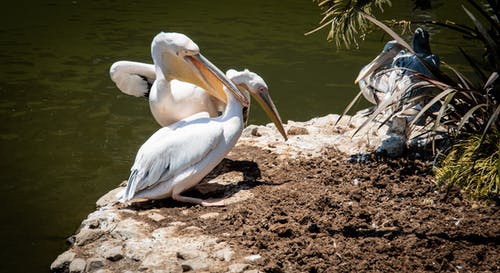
(133, 78)
(168, 152)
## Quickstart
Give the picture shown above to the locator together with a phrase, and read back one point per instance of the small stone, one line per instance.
(77, 265)
(225, 254)
(137, 250)
(255, 132)
(94, 264)
(193, 229)
(209, 215)
(195, 265)
(295, 130)
(392, 146)
(156, 217)
(177, 224)
(62, 262)
(186, 267)
(113, 254)
(130, 229)
(164, 232)
(356, 182)
(107, 271)
(160, 262)
(238, 268)
(86, 236)
(186, 254)
(253, 258)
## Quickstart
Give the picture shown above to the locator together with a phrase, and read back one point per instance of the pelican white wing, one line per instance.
(168, 152)
(133, 78)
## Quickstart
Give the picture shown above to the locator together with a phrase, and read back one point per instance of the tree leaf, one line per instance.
(388, 30)
(468, 115)
(432, 102)
(349, 106)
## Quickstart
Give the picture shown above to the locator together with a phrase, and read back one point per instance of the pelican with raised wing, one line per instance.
(177, 157)
(176, 83)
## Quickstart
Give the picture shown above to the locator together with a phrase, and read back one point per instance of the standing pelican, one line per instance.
(373, 78)
(390, 68)
(174, 89)
(177, 157)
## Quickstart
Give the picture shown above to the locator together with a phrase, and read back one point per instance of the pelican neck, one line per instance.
(233, 106)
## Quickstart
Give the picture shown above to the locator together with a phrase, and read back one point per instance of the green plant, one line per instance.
(477, 171)
(347, 25)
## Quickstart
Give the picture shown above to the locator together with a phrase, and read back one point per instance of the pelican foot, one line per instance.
(204, 202)
(211, 202)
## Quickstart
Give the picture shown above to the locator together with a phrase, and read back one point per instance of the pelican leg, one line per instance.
(204, 202)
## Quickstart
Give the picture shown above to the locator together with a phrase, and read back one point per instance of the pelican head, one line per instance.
(420, 42)
(391, 49)
(178, 57)
(257, 87)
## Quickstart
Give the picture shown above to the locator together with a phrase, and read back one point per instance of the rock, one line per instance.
(106, 271)
(208, 215)
(130, 228)
(62, 262)
(296, 130)
(392, 146)
(164, 232)
(238, 268)
(109, 198)
(310, 137)
(113, 253)
(193, 229)
(196, 265)
(158, 260)
(177, 223)
(101, 219)
(253, 258)
(156, 217)
(77, 265)
(93, 264)
(225, 254)
(252, 131)
(86, 236)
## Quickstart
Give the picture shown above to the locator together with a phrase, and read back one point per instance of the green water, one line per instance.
(68, 135)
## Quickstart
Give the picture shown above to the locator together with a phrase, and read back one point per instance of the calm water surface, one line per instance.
(68, 135)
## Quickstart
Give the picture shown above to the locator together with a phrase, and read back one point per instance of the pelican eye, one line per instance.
(188, 52)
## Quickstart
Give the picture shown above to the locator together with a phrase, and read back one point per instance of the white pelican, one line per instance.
(175, 88)
(378, 79)
(177, 157)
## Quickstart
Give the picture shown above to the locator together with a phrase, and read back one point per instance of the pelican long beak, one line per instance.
(373, 65)
(215, 80)
(265, 101)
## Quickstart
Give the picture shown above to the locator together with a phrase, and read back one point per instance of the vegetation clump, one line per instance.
(477, 171)
(468, 112)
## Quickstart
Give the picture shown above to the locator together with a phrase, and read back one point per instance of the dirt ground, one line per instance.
(329, 215)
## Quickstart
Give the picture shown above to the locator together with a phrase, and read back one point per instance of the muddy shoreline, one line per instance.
(300, 206)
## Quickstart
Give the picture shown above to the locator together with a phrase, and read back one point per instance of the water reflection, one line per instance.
(68, 135)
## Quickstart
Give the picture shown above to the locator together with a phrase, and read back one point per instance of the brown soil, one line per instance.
(328, 215)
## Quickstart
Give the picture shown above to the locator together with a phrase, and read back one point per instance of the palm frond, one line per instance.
(347, 26)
